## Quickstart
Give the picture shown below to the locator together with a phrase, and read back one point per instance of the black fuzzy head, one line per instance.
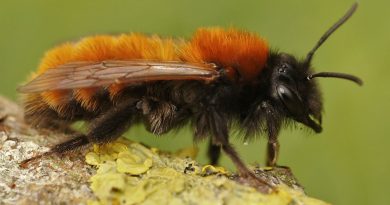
(298, 97)
(292, 87)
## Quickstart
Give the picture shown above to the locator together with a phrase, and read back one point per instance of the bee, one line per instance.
(218, 79)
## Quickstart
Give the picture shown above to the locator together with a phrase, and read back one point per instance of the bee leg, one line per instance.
(214, 152)
(272, 152)
(105, 128)
(272, 145)
(70, 145)
(219, 129)
(160, 116)
(112, 124)
(273, 127)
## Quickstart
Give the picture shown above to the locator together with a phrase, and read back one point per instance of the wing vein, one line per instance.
(75, 75)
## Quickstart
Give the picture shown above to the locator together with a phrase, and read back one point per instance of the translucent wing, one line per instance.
(95, 74)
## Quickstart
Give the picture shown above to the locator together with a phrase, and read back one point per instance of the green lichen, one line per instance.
(130, 173)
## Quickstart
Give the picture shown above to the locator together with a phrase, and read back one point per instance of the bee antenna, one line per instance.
(329, 32)
(337, 75)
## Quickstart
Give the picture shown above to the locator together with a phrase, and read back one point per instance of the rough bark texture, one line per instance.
(122, 172)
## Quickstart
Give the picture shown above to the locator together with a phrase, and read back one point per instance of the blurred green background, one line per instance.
(346, 164)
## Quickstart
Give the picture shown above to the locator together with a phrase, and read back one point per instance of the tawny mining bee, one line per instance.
(218, 78)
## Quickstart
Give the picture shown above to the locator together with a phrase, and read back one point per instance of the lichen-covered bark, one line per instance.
(122, 172)
(50, 180)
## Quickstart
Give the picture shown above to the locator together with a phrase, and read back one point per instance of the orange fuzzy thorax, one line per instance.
(243, 52)
(246, 52)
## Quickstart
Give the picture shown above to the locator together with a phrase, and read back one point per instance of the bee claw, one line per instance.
(258, 183)
(33, 160)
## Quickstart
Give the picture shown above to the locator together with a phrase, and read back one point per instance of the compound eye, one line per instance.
(291, 100)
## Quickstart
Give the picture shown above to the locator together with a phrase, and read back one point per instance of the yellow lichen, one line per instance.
(92, 158)
(130, 173)
(126, 165)
(210, 169)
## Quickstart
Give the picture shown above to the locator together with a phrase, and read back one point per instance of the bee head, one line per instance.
(293, 85)
(298, 97)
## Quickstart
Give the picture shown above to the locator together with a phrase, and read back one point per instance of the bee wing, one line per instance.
(95, 74)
